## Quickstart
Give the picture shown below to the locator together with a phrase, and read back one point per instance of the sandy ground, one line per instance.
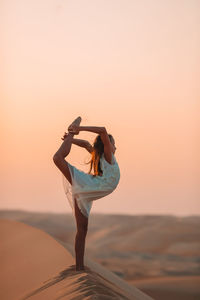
(160, 255)
(177, 287)
(36, 266)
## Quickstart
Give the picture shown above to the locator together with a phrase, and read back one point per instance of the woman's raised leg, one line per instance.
(59, 157)
(82, 227)
(63, 151)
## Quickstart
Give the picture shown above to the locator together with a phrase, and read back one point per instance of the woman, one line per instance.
(83, 188)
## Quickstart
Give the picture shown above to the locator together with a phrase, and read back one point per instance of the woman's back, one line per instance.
(87, 188)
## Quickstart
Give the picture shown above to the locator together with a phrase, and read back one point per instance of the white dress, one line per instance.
(86, 188)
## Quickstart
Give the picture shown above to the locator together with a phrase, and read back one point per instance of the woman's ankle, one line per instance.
(79, 268)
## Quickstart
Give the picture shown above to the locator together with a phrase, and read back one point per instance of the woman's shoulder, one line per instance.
(113, 159)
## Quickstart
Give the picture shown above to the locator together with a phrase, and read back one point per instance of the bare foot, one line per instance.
(80, 268)
(76, 122)
(73, 127)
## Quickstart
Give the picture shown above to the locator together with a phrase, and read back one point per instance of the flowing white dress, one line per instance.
(86, 188)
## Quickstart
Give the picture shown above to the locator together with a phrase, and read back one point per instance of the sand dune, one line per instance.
(35, 265)
(149, 252)
(178, 287)
(133, 247)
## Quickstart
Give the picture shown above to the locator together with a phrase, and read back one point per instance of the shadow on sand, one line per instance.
(82, 283)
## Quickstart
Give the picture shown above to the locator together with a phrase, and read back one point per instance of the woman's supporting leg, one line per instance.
(82, 227)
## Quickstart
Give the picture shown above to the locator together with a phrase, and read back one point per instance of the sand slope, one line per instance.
(157, 254)
(133, 247)
(36, 266)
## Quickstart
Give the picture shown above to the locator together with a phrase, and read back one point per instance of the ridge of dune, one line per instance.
(36, 266)
(106, 274)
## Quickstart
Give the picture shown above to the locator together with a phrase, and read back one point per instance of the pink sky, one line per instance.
(131, 66)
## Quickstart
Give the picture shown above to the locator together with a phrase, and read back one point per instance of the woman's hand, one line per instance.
(64, 136)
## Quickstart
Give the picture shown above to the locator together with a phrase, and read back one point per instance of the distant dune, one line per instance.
(150, 252)
(36, 266)
(176, 287)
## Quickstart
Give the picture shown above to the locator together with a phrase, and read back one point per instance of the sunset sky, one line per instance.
(131, 66)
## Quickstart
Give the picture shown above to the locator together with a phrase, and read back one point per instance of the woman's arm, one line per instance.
(95, 129)
(83, 143)
(108, 147)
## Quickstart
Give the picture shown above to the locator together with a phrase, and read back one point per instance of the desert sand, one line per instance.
(160, 255)
(176, 287)
(34, 265)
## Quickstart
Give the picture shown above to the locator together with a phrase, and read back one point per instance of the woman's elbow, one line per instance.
(103, 129)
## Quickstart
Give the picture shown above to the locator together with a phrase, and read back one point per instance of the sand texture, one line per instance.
(160, 255)
(34, 265)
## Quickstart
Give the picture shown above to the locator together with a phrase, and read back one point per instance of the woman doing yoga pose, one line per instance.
(83, 188)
